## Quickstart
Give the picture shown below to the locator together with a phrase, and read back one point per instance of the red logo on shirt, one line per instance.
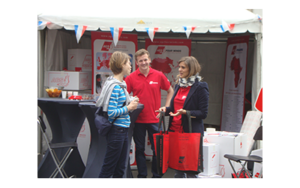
(151, 82)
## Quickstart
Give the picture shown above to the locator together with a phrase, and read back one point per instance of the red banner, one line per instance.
(102, 48)
(234, 84)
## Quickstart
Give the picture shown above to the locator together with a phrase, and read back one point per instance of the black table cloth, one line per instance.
(98, 143)
(65, 119)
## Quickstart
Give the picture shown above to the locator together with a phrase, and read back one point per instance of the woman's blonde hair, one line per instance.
(117, 60)
(193, 65)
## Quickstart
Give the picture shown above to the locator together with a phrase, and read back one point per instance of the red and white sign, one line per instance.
(234, 84)
(259, 101)
(133, 164)
(102, 49)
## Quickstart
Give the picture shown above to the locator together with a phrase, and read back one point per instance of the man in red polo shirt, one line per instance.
(146, 83)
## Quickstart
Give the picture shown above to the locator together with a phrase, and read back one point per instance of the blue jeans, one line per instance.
(139, 135)
(116, 153)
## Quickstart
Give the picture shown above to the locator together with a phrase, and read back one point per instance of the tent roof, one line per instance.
(165, 20)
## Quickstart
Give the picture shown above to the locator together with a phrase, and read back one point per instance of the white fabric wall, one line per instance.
(56, 48)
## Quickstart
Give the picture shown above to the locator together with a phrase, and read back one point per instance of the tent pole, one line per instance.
(40, 82)
(257, 70)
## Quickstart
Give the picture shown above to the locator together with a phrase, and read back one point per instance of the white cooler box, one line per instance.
(70, 80)
(229, 143)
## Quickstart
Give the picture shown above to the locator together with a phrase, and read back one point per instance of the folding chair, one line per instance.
(247, 160)
(58, 163)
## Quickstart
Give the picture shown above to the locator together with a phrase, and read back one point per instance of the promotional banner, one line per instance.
(164, 54)
(234, 84)
(102, 48)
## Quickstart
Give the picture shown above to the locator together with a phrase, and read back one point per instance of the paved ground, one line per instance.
(169, 174)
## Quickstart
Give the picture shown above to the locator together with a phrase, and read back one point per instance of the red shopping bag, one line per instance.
(186, 150)
(161, 145)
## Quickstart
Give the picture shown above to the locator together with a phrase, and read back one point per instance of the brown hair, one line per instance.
(192, 63)
(141, 52)
(117, 60)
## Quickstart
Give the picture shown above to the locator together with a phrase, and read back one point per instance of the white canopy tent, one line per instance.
(170, 24)
(205, 20)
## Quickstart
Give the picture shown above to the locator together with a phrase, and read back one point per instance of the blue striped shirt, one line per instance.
(115, 108)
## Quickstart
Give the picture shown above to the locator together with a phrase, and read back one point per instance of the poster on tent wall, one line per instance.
(165, 53)
(102, 48)
(234, 84)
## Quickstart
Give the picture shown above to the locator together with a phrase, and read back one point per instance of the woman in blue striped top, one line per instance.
(115, 100)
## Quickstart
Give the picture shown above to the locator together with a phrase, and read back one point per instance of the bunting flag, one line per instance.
(42, 24)
(188, 30)
(79, 30)
(116, 33)
(226, 27)
(259, 18)
(151, 32)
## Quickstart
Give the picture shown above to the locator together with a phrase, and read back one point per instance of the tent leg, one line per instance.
(40, 85)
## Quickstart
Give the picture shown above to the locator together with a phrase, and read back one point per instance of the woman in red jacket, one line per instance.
(190, 94)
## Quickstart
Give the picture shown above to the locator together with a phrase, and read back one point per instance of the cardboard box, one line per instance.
(210, 159)
(81, 58)
(70, 80)
(229, 143)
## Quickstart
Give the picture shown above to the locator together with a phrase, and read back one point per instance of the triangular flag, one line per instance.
(226, 27)
(151, 32)
(42, 24)
(79, 30)
(188, 30)
(116, 33)
(259, 18)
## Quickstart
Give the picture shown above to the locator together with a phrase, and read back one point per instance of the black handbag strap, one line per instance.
(162, 119)
(188, 114)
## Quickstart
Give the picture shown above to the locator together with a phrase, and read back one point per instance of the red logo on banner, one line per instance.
(106, 46)
(233, 50)
(160, 50)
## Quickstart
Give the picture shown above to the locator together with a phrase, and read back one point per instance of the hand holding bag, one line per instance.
(161, 145)
(186, 150)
